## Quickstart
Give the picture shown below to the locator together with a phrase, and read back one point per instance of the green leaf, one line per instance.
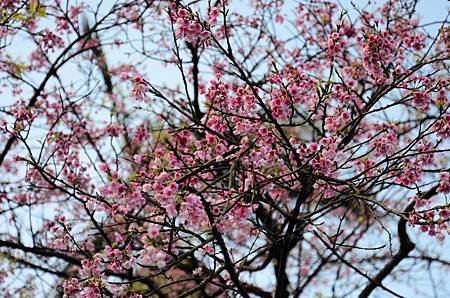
(37, 9)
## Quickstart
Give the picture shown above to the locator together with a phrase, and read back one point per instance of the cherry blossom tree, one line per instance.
(260, 148)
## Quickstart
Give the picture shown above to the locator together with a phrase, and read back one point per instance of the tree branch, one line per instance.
(406, 246)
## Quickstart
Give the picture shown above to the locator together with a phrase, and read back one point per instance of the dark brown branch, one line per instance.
(61, 274)
(41, 251)
(406, 246)
(228, 263)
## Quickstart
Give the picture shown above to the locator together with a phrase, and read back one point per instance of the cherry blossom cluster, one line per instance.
(385, 145)
(378, 52)
(335, 44)
(51, 41)
(190, 28)
(296, 88)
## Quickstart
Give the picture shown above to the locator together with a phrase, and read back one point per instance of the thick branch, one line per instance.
(41, 252)
(406, 246)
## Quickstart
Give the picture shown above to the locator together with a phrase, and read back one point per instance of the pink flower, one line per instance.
(378, 51)
(421, 100)
(385, 145)
(153, 230)
(51, 41)
(444, 184)
(139, 87)
(190, 28)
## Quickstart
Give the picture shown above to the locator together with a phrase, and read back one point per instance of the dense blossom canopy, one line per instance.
(258, 148)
